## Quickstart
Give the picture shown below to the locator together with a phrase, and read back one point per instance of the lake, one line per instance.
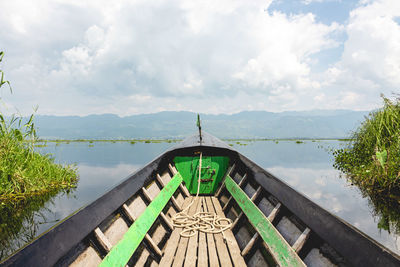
(306, 166)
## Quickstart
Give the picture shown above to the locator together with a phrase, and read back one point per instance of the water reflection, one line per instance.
(308, 168)
(387, 210)
(20, 222)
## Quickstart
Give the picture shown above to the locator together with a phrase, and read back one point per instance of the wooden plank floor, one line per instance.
(202, 249)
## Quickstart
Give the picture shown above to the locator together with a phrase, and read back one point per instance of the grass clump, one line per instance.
(372, 159)
(25, 173)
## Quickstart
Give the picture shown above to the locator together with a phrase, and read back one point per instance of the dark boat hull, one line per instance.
(339, 242)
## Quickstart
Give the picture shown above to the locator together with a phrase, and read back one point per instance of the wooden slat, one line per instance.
(116, 230)
(281, 251)
(298, 245)
(184, 190)
(121, 253)
(250, 244)
(173, 241)
(173, 200)
(223, 184)
(202, 252)
(153, 189)
(191, 253)
(162, 215)
(181, 186)
(180, 196)
(172, 169)
(147, 236)
(167, 221)
(253, 240)
(271, 217)
(235, 222)
(227, 203)
(103, 240)
(212, 249)
(255, 195)
(240, 185)
(144, 256)
(230, 238)
(223, 253)
(183, 242)
(274, 212)
(137, 206)
(88, 258)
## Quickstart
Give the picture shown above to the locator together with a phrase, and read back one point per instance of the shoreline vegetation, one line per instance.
(372, 158)
(26, 174)
(173, 140)
(230, 141)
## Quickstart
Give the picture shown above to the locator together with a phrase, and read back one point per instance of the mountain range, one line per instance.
(179, 124)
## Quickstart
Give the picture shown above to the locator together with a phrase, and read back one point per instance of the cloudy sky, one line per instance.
(144, 56)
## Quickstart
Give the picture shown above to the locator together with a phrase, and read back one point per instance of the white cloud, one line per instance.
(84, 57)
(179, 49)
(370, 63)
(373, 46)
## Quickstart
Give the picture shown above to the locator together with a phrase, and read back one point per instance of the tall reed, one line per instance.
(372, 159)
(25, 173)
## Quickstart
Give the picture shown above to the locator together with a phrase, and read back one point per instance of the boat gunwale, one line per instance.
(359, 248)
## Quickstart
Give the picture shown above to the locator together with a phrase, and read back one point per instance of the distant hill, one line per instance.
(179, 124)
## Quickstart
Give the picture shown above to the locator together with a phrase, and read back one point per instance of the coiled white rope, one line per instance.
(207, 222)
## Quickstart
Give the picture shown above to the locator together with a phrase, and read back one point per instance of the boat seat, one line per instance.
(202, 249)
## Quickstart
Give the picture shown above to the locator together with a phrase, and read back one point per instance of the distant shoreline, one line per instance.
(167, 140)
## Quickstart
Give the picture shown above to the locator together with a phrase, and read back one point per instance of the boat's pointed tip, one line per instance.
(207, 140)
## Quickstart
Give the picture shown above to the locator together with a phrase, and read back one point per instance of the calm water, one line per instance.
(307, 167)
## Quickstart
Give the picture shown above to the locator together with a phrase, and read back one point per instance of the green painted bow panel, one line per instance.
(212, 171)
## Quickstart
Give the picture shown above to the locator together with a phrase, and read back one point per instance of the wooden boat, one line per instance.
(272, 224)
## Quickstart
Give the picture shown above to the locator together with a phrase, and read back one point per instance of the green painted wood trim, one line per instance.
(211, 177)
(282, 252)
(122, 252)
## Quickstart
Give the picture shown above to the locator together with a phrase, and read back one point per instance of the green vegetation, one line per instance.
(239, 141)
(25, 173)
(372, 159)
(132, 141)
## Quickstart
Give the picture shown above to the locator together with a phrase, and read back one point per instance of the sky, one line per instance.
(129, 57)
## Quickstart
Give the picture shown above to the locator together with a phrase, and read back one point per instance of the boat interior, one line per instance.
(243, 244)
